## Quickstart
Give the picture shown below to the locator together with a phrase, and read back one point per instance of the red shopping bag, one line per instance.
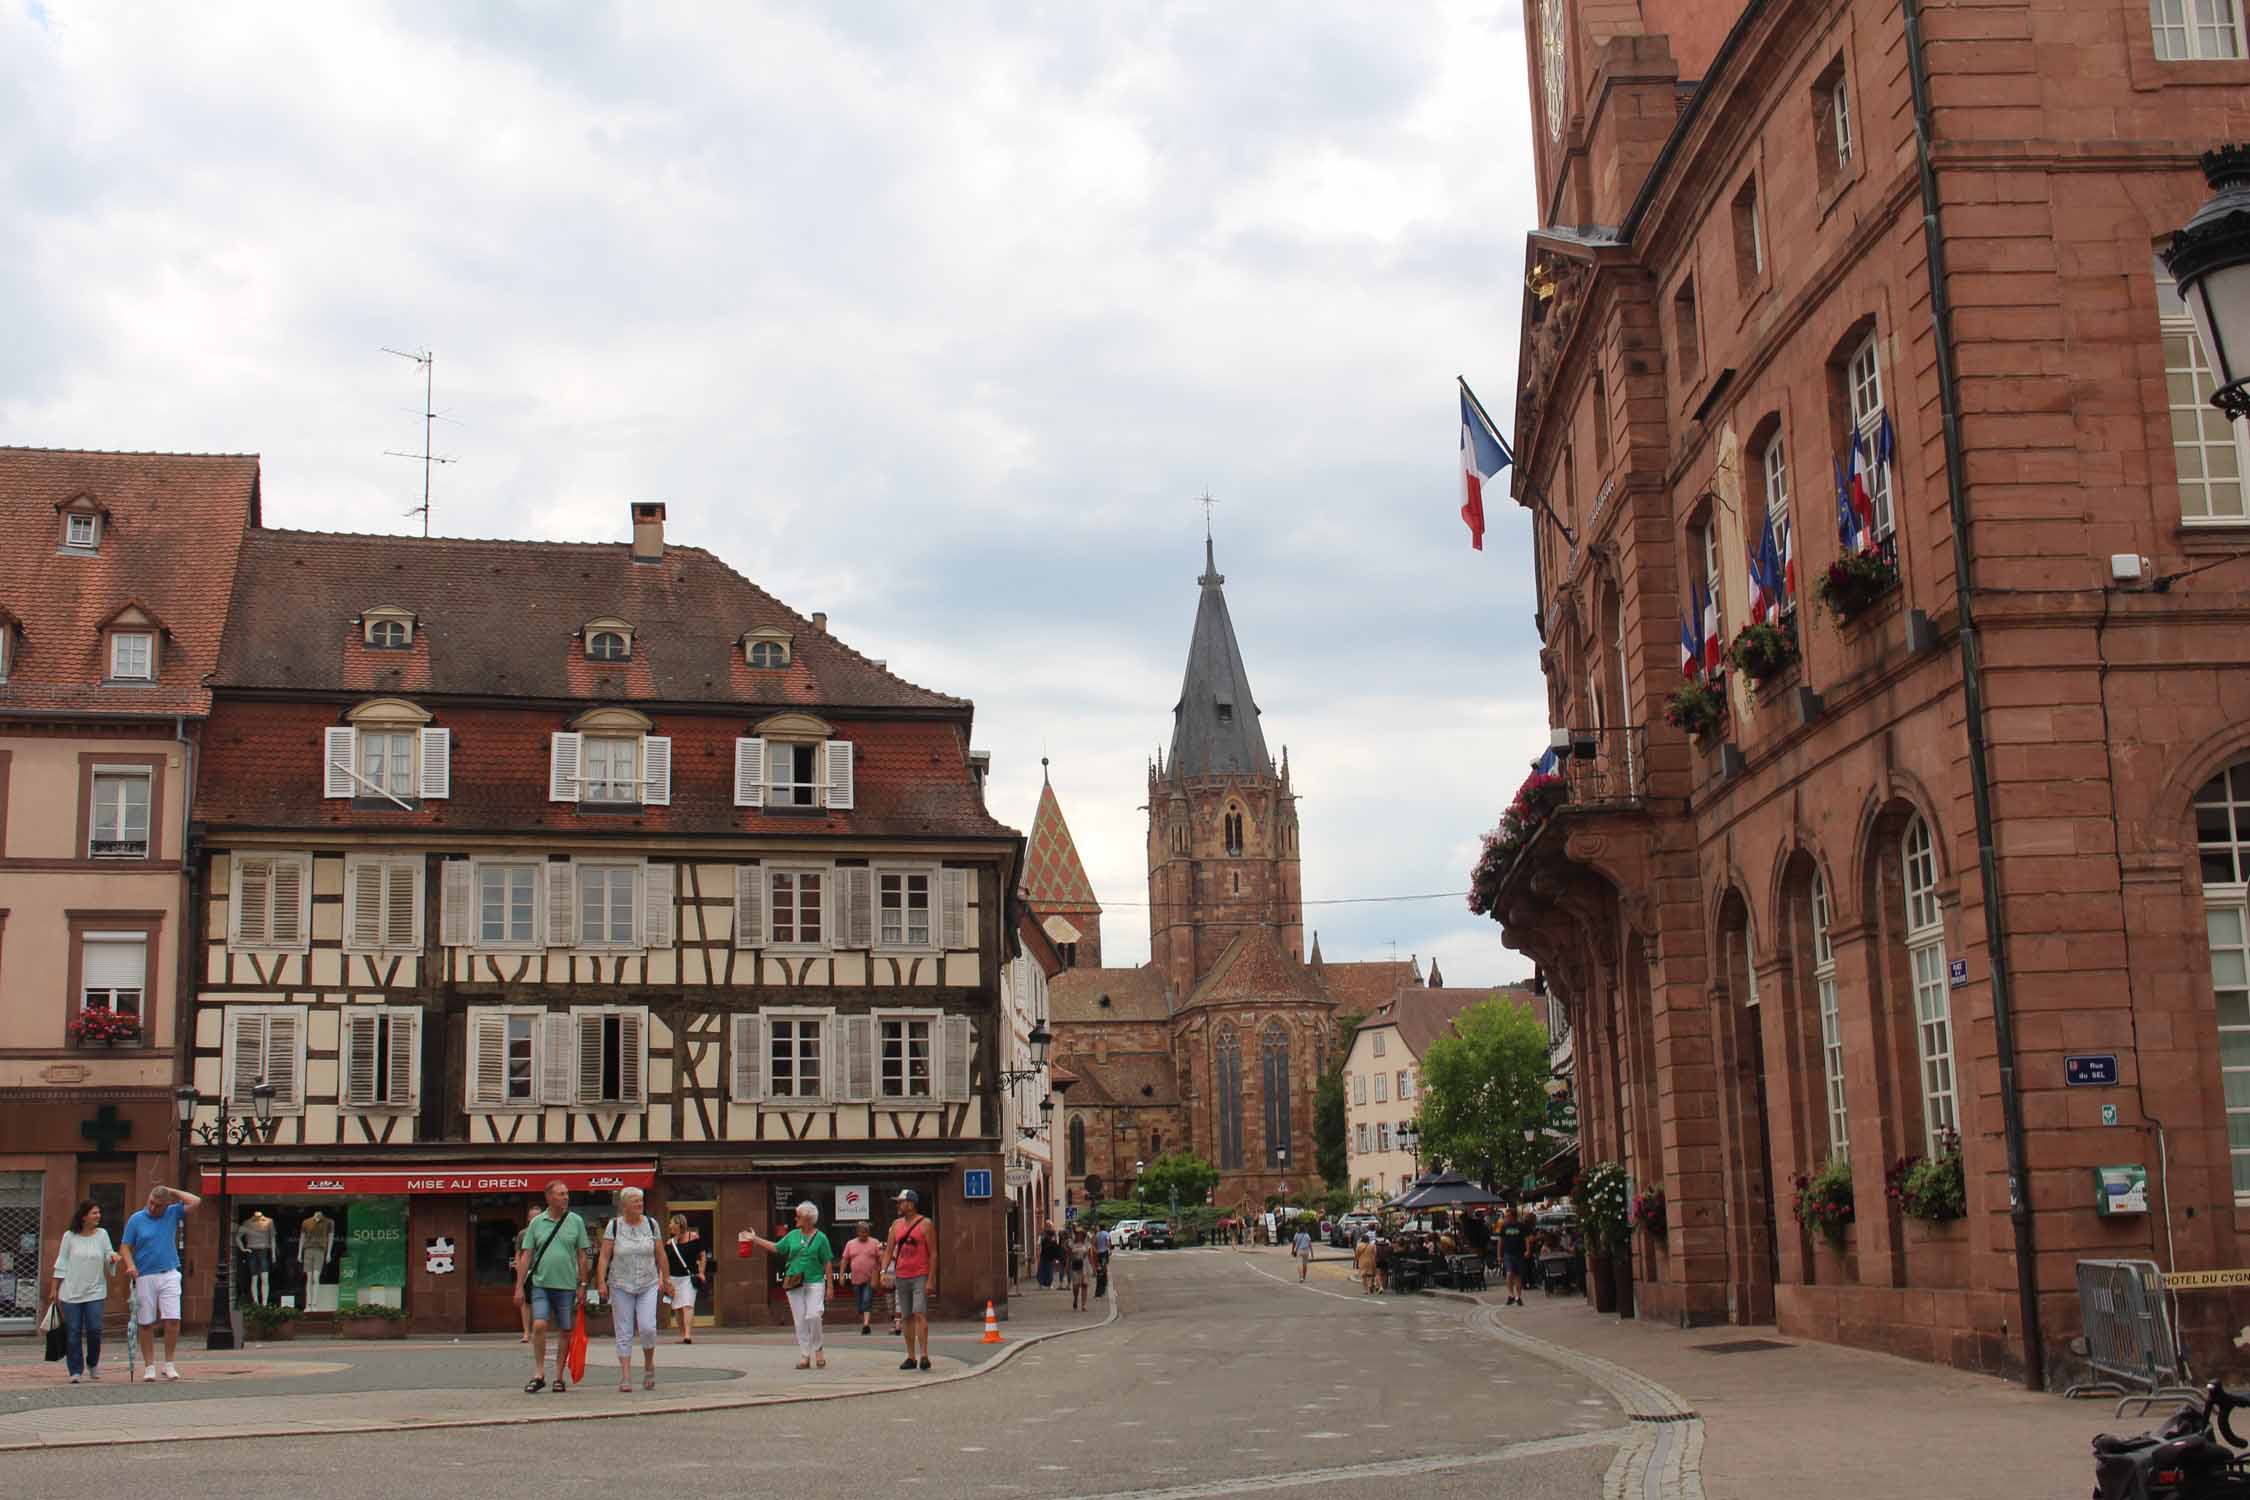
(578, 1341)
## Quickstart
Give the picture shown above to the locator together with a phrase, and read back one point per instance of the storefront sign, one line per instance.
(437, 1256)
(358, 1181)
(1019, 1177)
(854, 1204)
(374, 1265)
(2196, 1281)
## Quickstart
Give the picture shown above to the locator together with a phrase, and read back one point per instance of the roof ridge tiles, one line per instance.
(120, 452)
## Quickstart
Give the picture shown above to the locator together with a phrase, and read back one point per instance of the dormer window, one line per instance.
(607, 640)
(387, 756)
(82, 530)
(387, 628)
(793, 764)
(609, 761)
(132, 656)
(766, 648)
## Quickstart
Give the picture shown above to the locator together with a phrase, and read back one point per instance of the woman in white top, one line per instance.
(631, 1277)
(84, 1263)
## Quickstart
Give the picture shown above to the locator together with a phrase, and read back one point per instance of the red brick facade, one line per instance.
(1718, 281)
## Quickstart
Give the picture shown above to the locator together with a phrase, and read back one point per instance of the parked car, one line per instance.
(1154, 1235)
(1125, 1233)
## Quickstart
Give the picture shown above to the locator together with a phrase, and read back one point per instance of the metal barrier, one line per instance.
(2130, 1340)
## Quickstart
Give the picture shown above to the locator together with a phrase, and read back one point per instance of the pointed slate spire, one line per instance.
(1215, 723)
(1437, 980)
(1314, 961)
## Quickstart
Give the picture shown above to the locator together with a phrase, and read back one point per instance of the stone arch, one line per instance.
(1276, 1056)
(1749, 1189)
(2172, 806)
(1226, 1088)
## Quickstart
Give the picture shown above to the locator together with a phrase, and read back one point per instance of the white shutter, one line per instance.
(339, 759)
(858, 1047)
(632, 1067)
(437, 764)
(558, 1058)
(285, 1058)
(406, 1058)
(562, 768)
(746, 1062)
(749, 906)
(253, 899)
(840, 774)
(657, 882)
(488, 1059)
(290, 902)
(764, 1063)
(113, 961)
(749, 773)
(957, 1048)
(857, 885)
(460, 894)
(656, 770)
(589, 1055)
(246, 1054)
(956, 914)
(402, 904)
(359, 1056)
(365, 919)
(562, 904)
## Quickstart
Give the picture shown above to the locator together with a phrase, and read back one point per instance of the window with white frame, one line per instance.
(906, 1056)
(606, 645)
(792, 774)
(1382, 1088)
(1933, 1017)
(381, 1062)
(2210, 453)
(608, 900)
(132, 656)
(903, 900)
(269, 901)
(1865, 378)
(1775, 462)
(264, 1043)
(1359, 1088)
(113, 972)
(2188, 30)
(1831, 1021)
(118, 826)
(1359, 1139)
(794, 908)
(1383, 1136)
(610, 768)
(1839, 106)
(389, 761)
(504, 1057)
(1406, 1083)
(796, 1059)
(507, 905)
(81, 529)
(767, 655)
(612, 1054)
(383, 903)
(1381, 1041)
(387, 635)
(1706, 543)
(2222, 835)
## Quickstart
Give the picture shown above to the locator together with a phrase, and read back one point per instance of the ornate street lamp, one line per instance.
(227, 1131)
(2209, 259)
(1411, 1139)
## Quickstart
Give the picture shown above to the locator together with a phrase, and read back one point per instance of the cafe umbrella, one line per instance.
(1445, 1190)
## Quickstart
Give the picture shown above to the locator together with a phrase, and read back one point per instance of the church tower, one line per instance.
(1222, 821)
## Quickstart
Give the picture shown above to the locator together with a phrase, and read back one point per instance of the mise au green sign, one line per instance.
(374, 1254)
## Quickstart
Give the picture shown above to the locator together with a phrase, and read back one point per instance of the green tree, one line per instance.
(1190, 1175)
(1328, 1109)
(1483, 1085)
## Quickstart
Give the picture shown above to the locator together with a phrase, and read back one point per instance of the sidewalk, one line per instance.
(346, 1385)
(1777, 1420)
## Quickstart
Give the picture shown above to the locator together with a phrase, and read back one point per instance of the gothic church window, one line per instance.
(1276, 1050)
(1077, 1167)
(1234, 832)
(1229, 1088)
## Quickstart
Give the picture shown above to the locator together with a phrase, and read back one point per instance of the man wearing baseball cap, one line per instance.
(909, 1256)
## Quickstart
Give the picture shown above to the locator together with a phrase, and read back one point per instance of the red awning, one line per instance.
(382, 1181)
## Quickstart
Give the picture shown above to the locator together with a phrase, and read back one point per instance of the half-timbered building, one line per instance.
(527, 861)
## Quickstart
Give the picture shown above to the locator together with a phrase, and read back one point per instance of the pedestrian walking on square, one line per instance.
(1047, 1257)
(85, 1261)
(863, 1268)
(1078, 1258)
(1382, 1263)
(550, 1280)
(689, 1263)
(1301, 1247)
(1102, 1244)
(150, 1246)
(1515, 1253)
(805, 1255)
(909, 1261)
(633, 1278)
(1363, 1258)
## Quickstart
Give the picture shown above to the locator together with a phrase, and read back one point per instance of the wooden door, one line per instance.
(493, 1231)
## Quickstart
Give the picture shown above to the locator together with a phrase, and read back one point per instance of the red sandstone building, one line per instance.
(1773, 936)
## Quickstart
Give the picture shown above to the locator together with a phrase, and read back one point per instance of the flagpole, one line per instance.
(1528, 482)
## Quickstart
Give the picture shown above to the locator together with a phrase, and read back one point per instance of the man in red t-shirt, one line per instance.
(909, 1258)
(862, 1266)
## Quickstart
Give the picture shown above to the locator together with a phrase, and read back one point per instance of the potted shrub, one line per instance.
(104, 1028)
(1699, 707)
(1648, 1211)
(368, 1321)
(1854, 582)
(1824, 1200)
(1604, 1218)
(272, 1325)
(1763, 651)
(1543, 792)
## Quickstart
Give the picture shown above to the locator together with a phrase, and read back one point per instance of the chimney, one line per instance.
(648, 531)
(820, 621)
(980, 767)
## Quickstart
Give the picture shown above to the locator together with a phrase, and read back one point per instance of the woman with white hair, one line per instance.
(632, 1278)
(805, 1257)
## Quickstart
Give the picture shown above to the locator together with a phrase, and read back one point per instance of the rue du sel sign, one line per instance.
(2090, 1070)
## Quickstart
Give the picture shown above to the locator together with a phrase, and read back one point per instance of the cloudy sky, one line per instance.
(933, 316)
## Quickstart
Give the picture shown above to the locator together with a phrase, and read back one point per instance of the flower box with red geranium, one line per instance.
(1648, 1211)
(1698, 708)
(1854, 582)
(98, 1027)
(1542, 793)
(1824, 1200)
(1763, 651)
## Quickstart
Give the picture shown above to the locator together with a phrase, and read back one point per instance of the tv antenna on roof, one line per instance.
(428, 362)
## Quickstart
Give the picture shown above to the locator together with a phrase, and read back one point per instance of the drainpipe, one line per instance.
(183, 980)
(1972, 704)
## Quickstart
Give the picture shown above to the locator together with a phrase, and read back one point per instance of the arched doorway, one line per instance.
(1738, 1025)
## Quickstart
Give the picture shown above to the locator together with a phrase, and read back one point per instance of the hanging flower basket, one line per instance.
(1854, 582)
(1543, 793)
(1824, 1200)
(104, 1028)
(1762, 652)
(1697, 708)
(1934, 1188)
(1648, 1211)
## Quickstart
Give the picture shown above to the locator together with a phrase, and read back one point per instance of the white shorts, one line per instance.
(156, 1298)
(683, 1293)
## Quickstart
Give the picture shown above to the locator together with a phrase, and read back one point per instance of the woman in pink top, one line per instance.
(862, 1262)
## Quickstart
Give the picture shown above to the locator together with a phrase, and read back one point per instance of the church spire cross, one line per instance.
(1211, 573)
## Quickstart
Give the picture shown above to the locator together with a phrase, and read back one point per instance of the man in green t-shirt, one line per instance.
(551, 1274)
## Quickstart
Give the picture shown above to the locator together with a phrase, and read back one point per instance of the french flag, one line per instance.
(1863, 488)
(1483, 456)
(1786, 547)
(1714, 643)
(1691, 641)
(1760, 600)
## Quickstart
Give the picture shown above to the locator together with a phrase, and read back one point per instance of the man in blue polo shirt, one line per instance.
(151, 1248)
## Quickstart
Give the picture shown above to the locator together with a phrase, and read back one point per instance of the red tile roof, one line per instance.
(1423, 1015)
(170, 540)
(501, 619)
(1133, 995)
(1256, 967)
(1363, 986)
(1054, 878)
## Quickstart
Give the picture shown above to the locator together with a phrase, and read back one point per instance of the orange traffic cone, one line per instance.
(991, 1326)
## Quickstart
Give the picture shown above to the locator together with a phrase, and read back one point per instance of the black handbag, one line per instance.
(56, 1339)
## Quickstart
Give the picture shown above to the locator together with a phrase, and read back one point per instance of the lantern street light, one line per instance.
(2209, 259)
(1411, 1139)
(228, 1130)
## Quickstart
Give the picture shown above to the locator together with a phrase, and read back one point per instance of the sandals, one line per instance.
(804, 1364)
(625, 1387)
(560, 1385)
(535, 1385)
(820, 1361)
(648, 1381)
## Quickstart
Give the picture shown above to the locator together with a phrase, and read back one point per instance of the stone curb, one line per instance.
(525, 1418)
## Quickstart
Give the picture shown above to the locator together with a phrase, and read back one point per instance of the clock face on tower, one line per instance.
(1551, 63)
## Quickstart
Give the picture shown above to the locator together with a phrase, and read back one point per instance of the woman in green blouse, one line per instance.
(805, 1255)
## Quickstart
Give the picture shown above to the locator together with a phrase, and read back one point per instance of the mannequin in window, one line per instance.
(254, 1238)
(316, 1236)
